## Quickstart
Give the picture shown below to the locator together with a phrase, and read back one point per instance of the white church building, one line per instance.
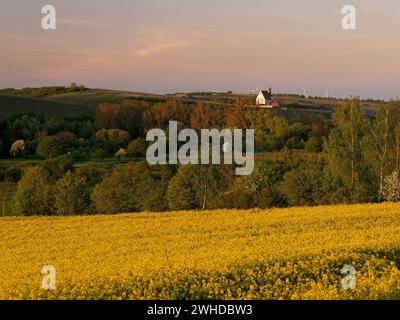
(265, 100)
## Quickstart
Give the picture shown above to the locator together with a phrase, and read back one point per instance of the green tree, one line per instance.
(313, 145)
(304, 185)
(261, 188)
(7, 189)
(181, 194)
(116, 136)
(197, 187)
(271, 130)
(68, 139)
(34, 195)
(346, 171)
(55, 168)
(50, 147)
(300, 130)
(127, 116)
(71, 195)
(113, 139)
(129, 188)
(379, 144)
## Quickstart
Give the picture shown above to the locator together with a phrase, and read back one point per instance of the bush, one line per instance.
(18, 148)
(10, 172)
(116, 136)
(100, 153)
(111, 140)
(294, 143)
(68, 139)
(92, 174)
(56, 168)
(391, 188)
(137, 148)
(313, 145)
(121, 153)
(300, 131)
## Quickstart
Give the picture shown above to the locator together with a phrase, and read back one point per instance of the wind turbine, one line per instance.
(256, 90)
(305, 93)
(327, 94)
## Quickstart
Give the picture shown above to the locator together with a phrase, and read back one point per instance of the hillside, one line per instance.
(70, 104)
(323, 106)
(94, 97)
(273, 254)
(74, 103)
(13, 105)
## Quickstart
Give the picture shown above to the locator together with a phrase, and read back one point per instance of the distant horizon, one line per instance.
(310, 93)
(167, 46)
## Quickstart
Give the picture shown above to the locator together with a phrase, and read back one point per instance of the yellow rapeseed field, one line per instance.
(292, 253)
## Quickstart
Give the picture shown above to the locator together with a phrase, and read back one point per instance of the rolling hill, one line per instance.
(70, 104)
(12, 105)
(74, 103)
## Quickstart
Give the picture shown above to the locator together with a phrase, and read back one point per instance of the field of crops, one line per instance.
(273, 254)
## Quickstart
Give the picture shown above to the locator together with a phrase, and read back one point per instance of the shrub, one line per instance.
(116, 136)
(313, 145)
(391, 188)
(68, 139)
(121, 153)
(111, 140)
(7, 189)
(137, 148)
(55, 168)
(17, 148)
(294, 143)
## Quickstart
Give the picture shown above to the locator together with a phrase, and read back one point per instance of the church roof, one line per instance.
(266, 95)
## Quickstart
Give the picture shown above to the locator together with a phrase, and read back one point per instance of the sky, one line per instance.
(167, 46)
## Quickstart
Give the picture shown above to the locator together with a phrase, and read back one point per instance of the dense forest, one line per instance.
(52, 165)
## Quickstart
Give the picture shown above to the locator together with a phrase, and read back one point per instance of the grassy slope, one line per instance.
(90, 97)
(69, 104)
(96, 96)
(292, 253)
(12, 105)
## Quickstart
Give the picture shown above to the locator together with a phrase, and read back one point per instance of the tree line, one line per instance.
(361, 160)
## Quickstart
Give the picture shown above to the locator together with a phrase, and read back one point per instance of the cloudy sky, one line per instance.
(185, 45)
